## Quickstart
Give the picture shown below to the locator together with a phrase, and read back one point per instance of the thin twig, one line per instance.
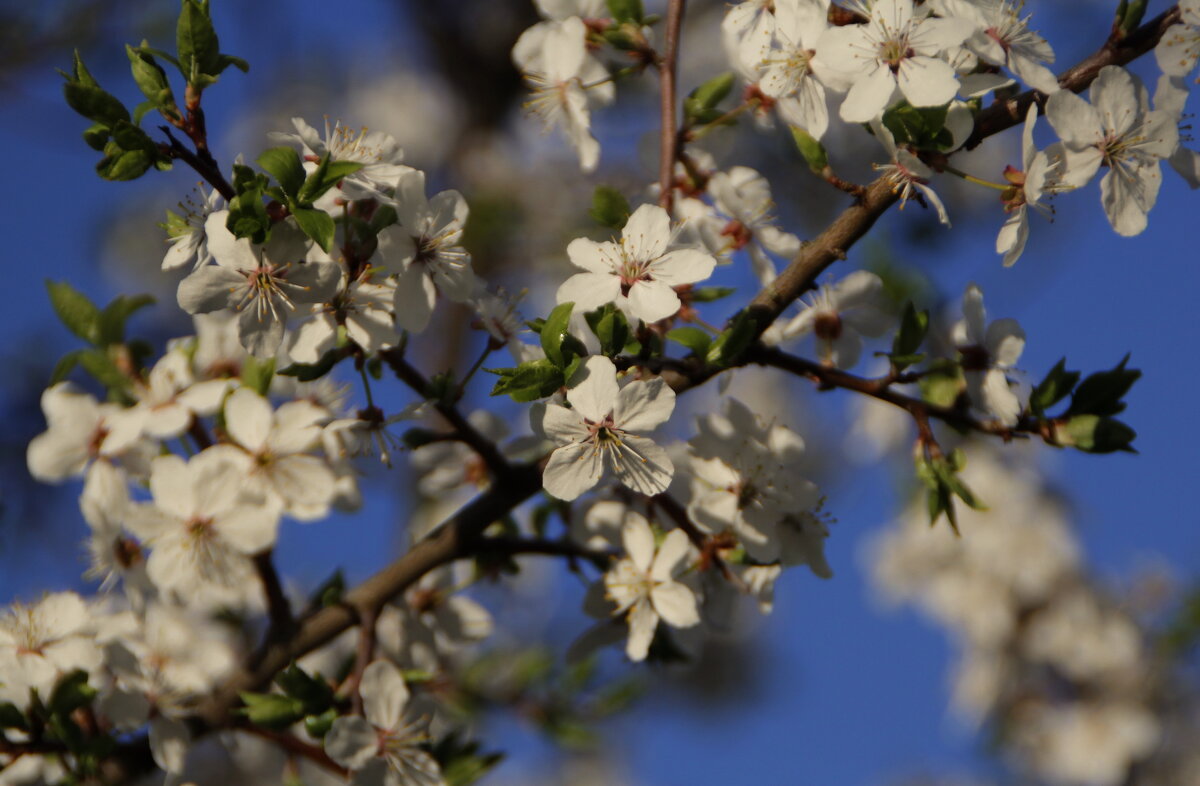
(298, 747)
(279, 611)
(668, 139)
(363, 654)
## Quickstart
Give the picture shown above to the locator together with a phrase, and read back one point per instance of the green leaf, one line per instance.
(307, 372)
(528, 381)
(75, 310)
(327, 175)
(734, 340)
(116, 314)
(709, 294)
(811, 149)
(609, 207)
(317, 224)
(152, 80)
(554, 330)
(11, 717)
(120, 163)
(283, 164)
(1094, 434)
(196, 43)
(96, 136)
(700, 105)
(271, 710)
(79, 72)
(626, 10)
(696, 340)
(913, 327)
(1101, 393)
(923, 128)
(318, 726)
(224, 61)
(942, 384)
(98, 363)
(1129, 15)
(247, 214)
(611, 329)
(91, 101)
(70, 693)
(947, 477)
(65, 365)
(313, 692)
(1053, 389)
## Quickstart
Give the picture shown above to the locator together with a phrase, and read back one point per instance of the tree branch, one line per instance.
(668, 139)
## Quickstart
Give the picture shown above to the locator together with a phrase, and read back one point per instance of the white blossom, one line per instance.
(1002, 37)
(1037, 177)
(599, 432)
(988, 351)
(644, 588)
(378, 153)
(840, 315)
(186, 234)
(638, 273)
(1179, 48)
(793, 72)
(43, 641)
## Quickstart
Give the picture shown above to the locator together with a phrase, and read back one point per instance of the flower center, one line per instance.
(828, 326)
(975, 358)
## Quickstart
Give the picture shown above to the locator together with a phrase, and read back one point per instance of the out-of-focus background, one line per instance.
(834, 687)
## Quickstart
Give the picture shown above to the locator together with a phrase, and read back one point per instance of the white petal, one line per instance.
(869, 96)
(572, 470)
(351, 742)
(593, 388)
(644, 466)
(673, 549)
(675, 604)
(249, 529)
(638, 541)
(211, 288)
(683, 266)
(172, 485)
(592, 256)
(644, 405)
(1005, 342)
(384, 694)
(927, 81)
(415, 299)
(248, 419)
(642, 622)
(651, 301)
(646, 233)
(589, 291)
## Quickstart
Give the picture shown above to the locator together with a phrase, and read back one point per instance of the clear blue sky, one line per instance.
(844, 694)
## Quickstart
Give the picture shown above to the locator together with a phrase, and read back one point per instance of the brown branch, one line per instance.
(363, 654)
(668, 139)
(515, 547)
(298, 747)
(279, 610)
(487, 450)
(203, 162)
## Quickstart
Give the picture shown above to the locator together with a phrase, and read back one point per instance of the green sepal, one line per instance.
(257, 374)
(609, 208)
(923, 128)
(626, 10)
(318, 726)
(312, 691)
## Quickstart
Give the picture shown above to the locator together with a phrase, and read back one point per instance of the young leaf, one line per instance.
(317, 224)
(611, 329)
(151, 79)
(913, 327)
(609, 207)
(283, 164)
(112, 320)
(695, 339)
(196, 42)
(1053, 389)
(626, 10)
(327, 175)
(811, 148)
(554, 331)
(1101, 393)
(733, 341)
(700, 106)
(75, 310)
(709, 294)
(528, 381)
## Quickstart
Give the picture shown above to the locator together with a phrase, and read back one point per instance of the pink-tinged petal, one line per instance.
(211, 288)
(672, 551)
(351, 742)
(173, 487)
(563, 425)
(643, 406)
(415, 299)
(675, 604)
(248, 419)
(594, 257)
(638, 541)
(589, 291)
(1076, 122)
(1005, 342)
(927, 81)
(651, 301)
(646, 233)
(249, 528)
(642, 622)
(384, 695)
(572, 470)
(869, 96)
(682, 266)
(593, 388)
(642, 465)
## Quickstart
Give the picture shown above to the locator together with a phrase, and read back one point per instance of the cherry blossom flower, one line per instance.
(644, 588)
(384, 740)
(840, 315)
(433, 622)
(263, 283)
(1003, 38)
(790, 72)
(274, 452)
(746, 32)
(907, 173)
(1179, 48)
(363, 306)
(41, 642)
(379, 154)
(599, 432)
(745, 196)
(203, 523)
(423, 251)
(169, 398)
(1116, 129)
(554, 59)
(77, 433)
(638, 273)
(1171, 96)
(895, 51)
(1038, 177)
(189, 241)
(988, 350)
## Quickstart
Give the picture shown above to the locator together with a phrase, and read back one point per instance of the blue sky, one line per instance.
(844, 694)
